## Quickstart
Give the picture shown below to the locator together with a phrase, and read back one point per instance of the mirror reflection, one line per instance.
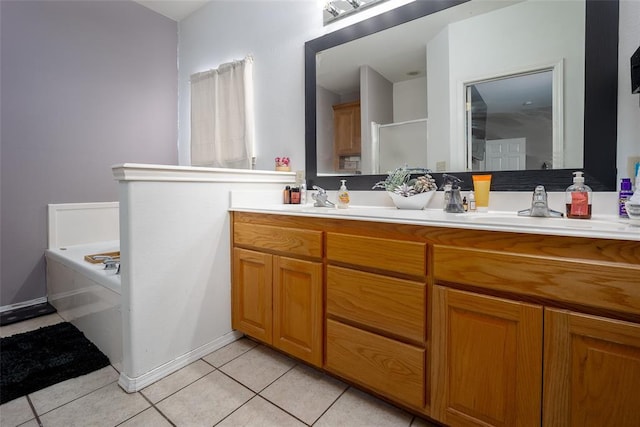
(400, 96)
(510, 123)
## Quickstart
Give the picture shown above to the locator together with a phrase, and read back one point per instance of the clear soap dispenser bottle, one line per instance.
(578, 198)
(343, 195)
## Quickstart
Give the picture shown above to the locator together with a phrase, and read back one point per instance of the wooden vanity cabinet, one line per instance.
(530, 358)
(469, 327)
(277, 299)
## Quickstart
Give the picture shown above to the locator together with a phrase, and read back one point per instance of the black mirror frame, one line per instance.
(600, 104)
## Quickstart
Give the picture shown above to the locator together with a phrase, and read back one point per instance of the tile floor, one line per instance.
(242, 384)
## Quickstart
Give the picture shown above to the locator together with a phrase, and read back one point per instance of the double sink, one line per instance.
(497, 220)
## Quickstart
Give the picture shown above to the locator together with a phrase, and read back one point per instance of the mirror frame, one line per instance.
(600, 102)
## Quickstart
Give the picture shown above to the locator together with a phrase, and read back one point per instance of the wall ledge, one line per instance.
(168, 173)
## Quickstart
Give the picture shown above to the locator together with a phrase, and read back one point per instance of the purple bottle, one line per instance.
(623, 196)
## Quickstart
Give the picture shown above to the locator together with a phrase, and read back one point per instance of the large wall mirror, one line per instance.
(459, 86)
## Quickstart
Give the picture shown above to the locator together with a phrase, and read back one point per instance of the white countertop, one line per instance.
(599, 226)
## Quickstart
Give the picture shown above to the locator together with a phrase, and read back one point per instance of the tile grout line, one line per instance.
(332, 403)
(33, 409)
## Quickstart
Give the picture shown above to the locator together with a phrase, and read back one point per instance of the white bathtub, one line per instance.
(83, 293)
(87, 295)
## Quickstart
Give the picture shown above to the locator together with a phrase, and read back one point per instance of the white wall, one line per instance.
(176, 276)
(438, 92)
(410, 100)
(376, 103)
(275, 32)
(325, 99)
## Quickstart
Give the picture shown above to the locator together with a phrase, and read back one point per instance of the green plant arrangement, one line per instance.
(400, 182)
(407, 192)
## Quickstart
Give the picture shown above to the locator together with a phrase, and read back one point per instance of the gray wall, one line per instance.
(84, 85)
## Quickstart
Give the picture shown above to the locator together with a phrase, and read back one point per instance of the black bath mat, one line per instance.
(34, 360)
(19, 314)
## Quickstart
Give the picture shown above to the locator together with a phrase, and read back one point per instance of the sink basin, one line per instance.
(527, 221)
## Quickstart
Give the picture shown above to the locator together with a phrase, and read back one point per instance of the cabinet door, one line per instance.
(346, 123)
(487, 360)
(252, 293)
(592, 371)
(297, 308)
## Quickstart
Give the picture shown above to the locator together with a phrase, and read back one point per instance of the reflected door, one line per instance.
(506, 154)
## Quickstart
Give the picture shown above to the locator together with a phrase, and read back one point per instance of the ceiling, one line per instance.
(173, 9)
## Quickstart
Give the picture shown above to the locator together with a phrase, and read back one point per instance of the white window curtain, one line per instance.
(222, 116)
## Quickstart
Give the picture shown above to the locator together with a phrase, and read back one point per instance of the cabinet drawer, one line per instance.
(385, 254)
(387, 366)
(286, 240)
(387, 304)
(590, 283)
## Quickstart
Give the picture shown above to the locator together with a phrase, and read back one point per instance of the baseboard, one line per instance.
(131, 385)
(23, 304)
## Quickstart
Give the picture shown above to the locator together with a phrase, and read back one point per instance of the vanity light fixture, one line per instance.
(336, 9)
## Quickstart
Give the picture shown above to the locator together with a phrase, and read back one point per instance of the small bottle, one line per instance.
(343, 195)
(578, 198)
(295, 196)
(472, 201)
(465, 205)
(286, 195)
(623, 196)
(303, 193)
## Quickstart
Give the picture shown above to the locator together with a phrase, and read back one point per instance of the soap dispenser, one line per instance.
(578, 198)
(343, 195)
(453, 199)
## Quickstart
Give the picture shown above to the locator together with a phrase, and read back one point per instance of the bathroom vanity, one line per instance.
(467, 323)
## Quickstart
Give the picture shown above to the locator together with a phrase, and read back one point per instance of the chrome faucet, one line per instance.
(539, 206)
(111, 263)
(321, 198)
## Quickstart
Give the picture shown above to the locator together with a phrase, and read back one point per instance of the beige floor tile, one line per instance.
(230, 352)
(304, 392)
(260, 413)
(206, 401)
(59, 394)
(258, 367)
(30, 423)
(357, 409)
(15, 412)
(148, 418)
(174, 382)
(30, 325)
(107, 406)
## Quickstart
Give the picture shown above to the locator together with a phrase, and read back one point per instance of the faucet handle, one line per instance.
(320, 190)
(111, 264)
